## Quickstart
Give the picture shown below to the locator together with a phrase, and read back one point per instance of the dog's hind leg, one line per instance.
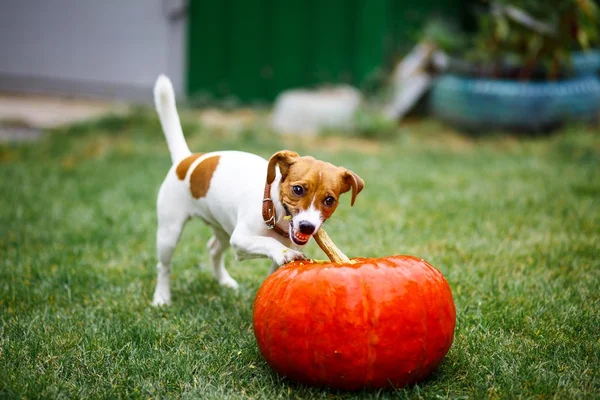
(217, 245)
(167, 236)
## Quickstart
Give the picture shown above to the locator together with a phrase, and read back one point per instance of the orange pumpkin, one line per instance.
(366, 323)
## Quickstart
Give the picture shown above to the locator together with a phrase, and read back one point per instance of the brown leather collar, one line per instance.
(268, 212)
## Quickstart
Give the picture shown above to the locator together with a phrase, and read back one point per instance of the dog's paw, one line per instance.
(160, 300)
(162, 293)
(228, 282)
(289, 255)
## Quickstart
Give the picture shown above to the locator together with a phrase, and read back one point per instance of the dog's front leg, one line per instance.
(251, 246)
(274, 267)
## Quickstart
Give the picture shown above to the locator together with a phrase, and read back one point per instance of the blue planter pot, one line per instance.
(586, 63)
(483, 105)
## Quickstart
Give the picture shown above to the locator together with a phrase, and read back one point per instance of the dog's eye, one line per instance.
(329, 201)
(298, 190)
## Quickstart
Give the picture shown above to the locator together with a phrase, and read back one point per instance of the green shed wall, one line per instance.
(254, 49)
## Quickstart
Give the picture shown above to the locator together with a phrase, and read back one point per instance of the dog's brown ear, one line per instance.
(283, 159)
(352, 181)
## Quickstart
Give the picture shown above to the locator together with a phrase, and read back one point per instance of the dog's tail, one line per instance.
(164, 100)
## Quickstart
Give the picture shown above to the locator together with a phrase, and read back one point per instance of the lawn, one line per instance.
(514, 225)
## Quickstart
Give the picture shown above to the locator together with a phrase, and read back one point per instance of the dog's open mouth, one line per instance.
(298, 237)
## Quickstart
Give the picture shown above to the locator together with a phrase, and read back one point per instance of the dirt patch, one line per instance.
(45, 111)
(234, 120)
(18, 133)
(335, 144)
(436, 136)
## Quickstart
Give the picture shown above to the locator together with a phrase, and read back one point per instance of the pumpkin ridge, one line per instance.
(367, 297)
(424, 345)
(410, 273)
(259, 315)
(430, 275)
(288, 279)
(322, 371)
(268, 322)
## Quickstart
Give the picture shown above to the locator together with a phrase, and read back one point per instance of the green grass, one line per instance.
(512, 223)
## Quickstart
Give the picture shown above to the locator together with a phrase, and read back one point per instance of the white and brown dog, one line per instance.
(244, 198)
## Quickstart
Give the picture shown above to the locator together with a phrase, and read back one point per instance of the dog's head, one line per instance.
(310, 190)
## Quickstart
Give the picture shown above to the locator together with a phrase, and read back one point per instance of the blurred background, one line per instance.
(522, 65)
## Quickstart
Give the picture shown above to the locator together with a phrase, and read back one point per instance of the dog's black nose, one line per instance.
(306, 227)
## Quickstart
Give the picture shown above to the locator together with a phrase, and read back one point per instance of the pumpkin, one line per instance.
(352, 324)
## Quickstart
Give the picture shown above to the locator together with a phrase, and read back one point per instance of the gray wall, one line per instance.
(103, 48)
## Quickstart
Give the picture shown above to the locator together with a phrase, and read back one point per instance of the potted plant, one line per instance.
(518, 73)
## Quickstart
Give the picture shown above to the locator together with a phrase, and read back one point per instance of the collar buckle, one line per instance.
(268, 213)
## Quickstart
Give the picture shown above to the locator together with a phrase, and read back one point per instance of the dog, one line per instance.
(260, 208)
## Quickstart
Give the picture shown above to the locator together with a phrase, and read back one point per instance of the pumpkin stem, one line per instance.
(330, 249)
